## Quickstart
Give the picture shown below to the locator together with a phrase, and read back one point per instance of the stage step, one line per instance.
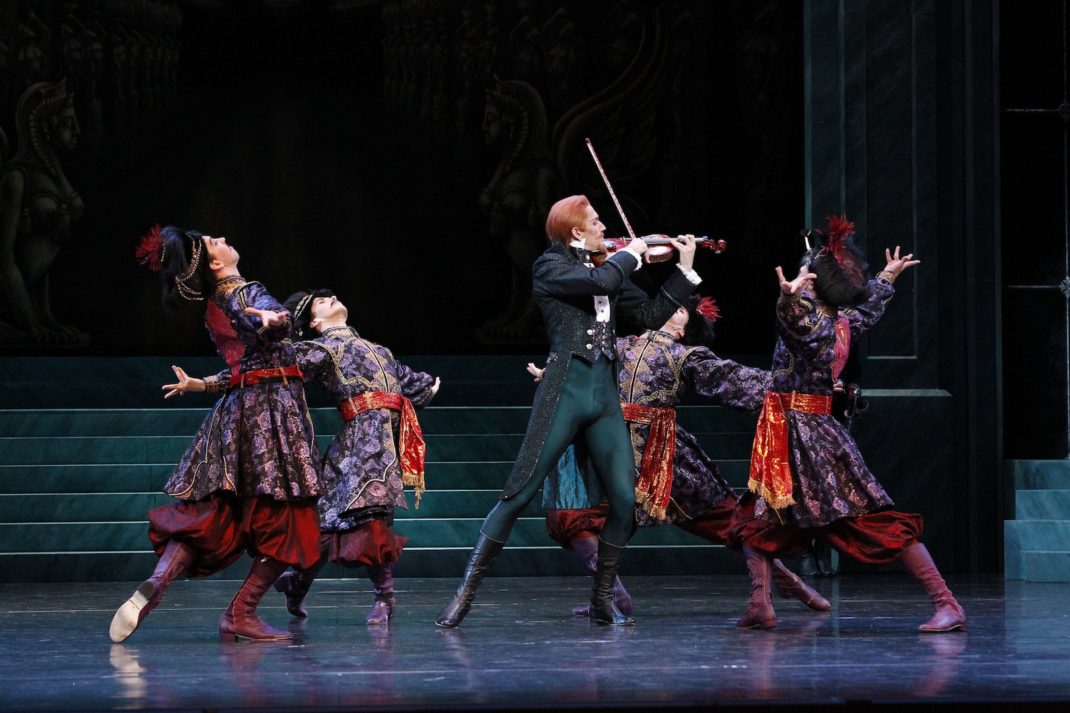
(75, 484)
(1036, 543)
(57, 450)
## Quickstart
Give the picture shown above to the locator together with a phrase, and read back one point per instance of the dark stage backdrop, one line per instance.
(402, 153)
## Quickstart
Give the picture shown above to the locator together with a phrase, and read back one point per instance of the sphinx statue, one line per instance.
(37, 207)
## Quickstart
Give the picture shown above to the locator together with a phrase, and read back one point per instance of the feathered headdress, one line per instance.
(150, 249)
(840, 264)
(839, 230)
(708, 308)
(703, 312)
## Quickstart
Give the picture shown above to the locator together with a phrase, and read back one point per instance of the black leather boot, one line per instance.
(603, 609)
(479, 563)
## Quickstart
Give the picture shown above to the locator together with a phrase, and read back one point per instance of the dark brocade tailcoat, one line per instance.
(564, 288)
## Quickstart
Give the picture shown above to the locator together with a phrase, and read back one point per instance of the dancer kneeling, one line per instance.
(676, 481)
(807, 477)
(378, 450)
(248, 482)
(578, 396)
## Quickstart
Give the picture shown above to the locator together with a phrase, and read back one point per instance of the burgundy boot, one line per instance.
(587, 549)
(948, 615)
(174, 561)
(760, 613)
(382, 577)
(240, 619)
(790, 586)
(295, 585)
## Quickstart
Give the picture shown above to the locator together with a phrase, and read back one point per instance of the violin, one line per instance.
(659, 247)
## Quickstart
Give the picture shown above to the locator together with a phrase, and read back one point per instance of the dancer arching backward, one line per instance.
(378, 450)
(807, 476)
(676, 482)
(578, 396)
(248, 482)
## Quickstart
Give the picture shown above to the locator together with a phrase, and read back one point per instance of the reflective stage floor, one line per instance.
(520, 648)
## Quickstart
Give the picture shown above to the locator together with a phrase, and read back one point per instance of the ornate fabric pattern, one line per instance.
(360, 467)
(830, 477)
(256, 440)
(656, 371)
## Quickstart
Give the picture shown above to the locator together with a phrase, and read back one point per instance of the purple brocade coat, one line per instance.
(831, 481)
(256, 440)
(655, 370)
(361, 474)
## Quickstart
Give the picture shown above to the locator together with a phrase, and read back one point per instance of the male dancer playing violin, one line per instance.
(578, 394)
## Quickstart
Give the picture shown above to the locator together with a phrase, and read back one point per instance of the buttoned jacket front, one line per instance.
(564, 289)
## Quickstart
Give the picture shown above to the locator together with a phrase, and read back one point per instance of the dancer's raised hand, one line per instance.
(535, 371)
(800, 283)
(897, 264)
(269, 318)
(185, 384)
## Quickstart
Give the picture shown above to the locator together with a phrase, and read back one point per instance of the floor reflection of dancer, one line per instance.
(807, 476)
(578, 396)
(248, 482)
(677, 483)
(378, 450)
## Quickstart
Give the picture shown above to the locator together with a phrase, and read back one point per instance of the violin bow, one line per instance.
(609, 187)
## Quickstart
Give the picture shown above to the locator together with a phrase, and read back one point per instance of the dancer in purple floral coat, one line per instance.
(807, 476)
(677, 482)
(248, 482)
(377, 451)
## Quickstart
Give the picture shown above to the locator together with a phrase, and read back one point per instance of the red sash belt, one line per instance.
(411, 447)
(257, 376)
(770, 470)
(654, 486)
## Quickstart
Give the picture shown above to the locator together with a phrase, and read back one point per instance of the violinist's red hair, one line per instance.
(566, 214)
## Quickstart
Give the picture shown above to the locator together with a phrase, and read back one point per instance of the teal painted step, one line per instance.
(415, 562)
(104, 507)
(1021, 537)
(25, 450)
(175, 421)
(1041, 475)
(163, 421)
(78, 507)
(1042, 505)
(120, 506)
(43, 508)
(1037, 534)
(122, 478)
(1036, 542)
(1045, 566)
(105, 477)
(131, 536)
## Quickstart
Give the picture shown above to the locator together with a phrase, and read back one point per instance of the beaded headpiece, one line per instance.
(151, 251)
(299, 310)
(185, 290)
